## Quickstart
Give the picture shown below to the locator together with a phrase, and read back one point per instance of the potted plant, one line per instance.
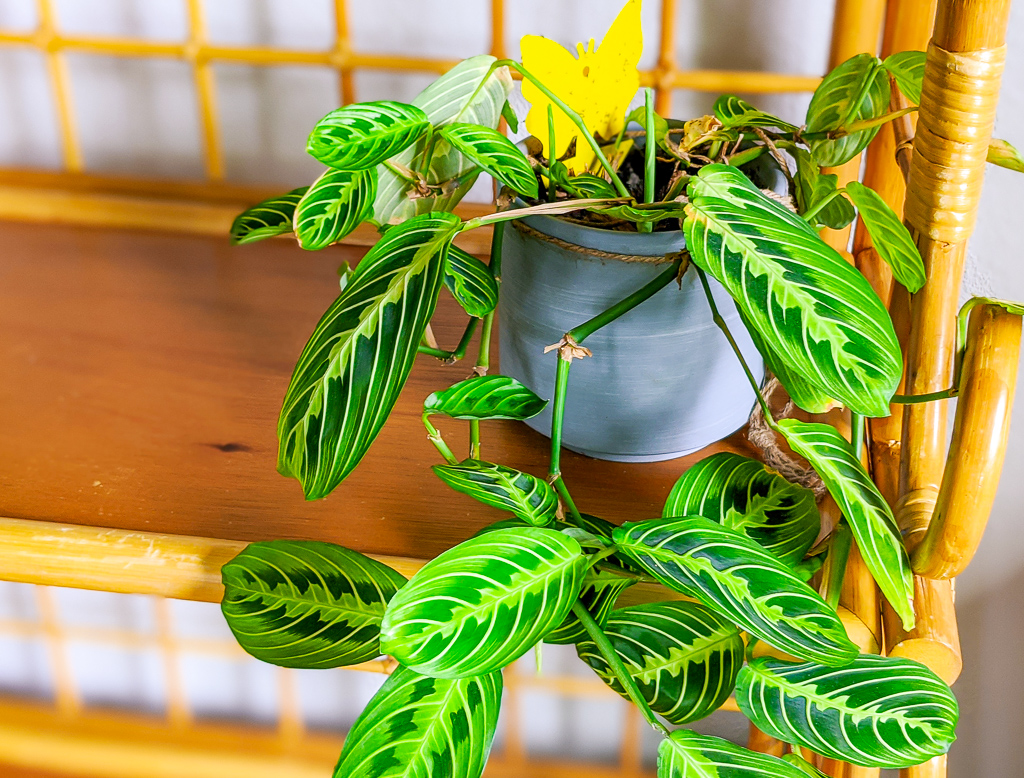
(735, 537)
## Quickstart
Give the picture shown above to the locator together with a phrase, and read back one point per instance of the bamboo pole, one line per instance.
(934, 641)
(978, 447)
(958, 101)
(764, 744)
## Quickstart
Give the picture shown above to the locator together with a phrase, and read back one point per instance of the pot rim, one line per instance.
(650, 244)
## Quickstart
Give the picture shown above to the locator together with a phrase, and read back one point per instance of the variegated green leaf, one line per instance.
(876, 712)
(821, 316)
(417, 726)
(267, 219)
(484, 603)
(307, 604)
(855, 91)
(813, 186)
(738, 579)
(907, 69)
(802, 764)
(362, 135)
(486, 397)
(601, 589)
(733, 111)
(351, 371)
(495, 154)
(683, 657)
(470, 93)
(869, 515)
(889, 236)
(1004, 154)
(337, 203)
(687, 754)
(587, 185)
(747, 496)
(470, 282)
(528, 497)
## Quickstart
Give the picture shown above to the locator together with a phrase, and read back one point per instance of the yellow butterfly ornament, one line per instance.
(597, 83)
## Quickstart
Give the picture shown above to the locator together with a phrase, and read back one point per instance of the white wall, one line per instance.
(140, 117)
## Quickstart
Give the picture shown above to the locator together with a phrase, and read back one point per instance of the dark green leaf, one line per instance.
(587, 185)
(821, 316)
(1001, 153)
(470, 92)
(733, 111)
(870, 518)
(337, 203)
(484, 603)
(855, 91)
(889, 236)
(420, 726)
(528, 497)
(269, 218)
(470, 282)
(813, 186)
(362, 135)
(747, 496)
(738, 579)
(495, 154)
(683, 658)
(876, 712)
(688, 754)
(307, 604)
(357, 360)
(907, 68)
(510, 117)
(486, 397)
(600, 591)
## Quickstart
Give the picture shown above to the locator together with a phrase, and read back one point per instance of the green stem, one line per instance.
(811, 213)
(474, 438)
(574, 117)
(435, 437)
(460, 350)
(856, 432)
(552, 154)
(878, 121)
(913, 399)
(838, 555)
(497, 239)
(649, 159)
(720, 322)
(648, 290)
(563, 492)
(557, 415)
(615, 664)
(400, 173)
(745, 156)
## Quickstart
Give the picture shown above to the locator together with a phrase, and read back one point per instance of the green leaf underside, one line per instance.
(683, 658)
(876, 712)
(495, 154)
(362, 135)
(889, 236)
(337, 203)
(1004, 154)
(486, 397)
(813, 186)
(734, 576)
(358, 358)
(820, 314)
(907, 69)
(601, 589)
(857, 90)
(733, 111)
(529, 498)
(267, 219)
(484, 603)
(687, 754)
(869, 515)
(470, 282)
(418, 726)
(307, 604)
(747, 496)
(457, 96)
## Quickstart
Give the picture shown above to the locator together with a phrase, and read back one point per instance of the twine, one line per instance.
(765, 440)
(958, 107)
(529, 231)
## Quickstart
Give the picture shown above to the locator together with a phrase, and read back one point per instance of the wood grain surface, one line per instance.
(141, 376)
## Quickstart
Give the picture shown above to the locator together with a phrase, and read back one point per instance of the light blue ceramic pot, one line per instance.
(662, 382)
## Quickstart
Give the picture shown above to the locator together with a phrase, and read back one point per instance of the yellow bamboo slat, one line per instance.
(205, 92)
(980, 433)
(935, 639)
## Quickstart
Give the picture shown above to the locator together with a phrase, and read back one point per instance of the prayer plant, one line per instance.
(734, 536)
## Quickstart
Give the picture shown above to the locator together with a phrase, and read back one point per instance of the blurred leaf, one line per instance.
(267, 219)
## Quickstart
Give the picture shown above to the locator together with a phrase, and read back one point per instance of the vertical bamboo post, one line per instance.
(498, 29)
(980, 433)
(60, 82)
(856, 27)
(934, 641)
(666, 67)
(764, 744)
(343, 48)
(206, 91)
(961, 85)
